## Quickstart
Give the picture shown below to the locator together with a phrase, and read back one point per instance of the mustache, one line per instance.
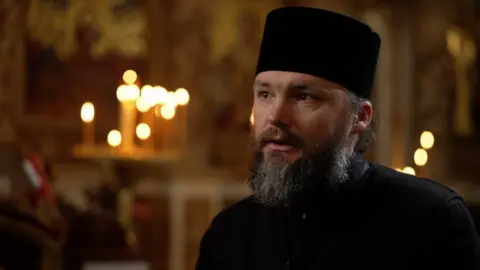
(276, 135)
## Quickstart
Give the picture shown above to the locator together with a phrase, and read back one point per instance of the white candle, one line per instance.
(167, 111)
(128, 125)
(182, 99)
(87, 114)
(127, 95)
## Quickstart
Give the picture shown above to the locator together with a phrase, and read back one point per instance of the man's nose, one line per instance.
(280, 113)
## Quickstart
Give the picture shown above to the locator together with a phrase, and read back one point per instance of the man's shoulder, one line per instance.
(406, 187)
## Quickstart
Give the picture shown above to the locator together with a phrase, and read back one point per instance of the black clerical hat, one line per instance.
(320, 43)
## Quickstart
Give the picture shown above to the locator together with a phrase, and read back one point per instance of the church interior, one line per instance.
(133, 117)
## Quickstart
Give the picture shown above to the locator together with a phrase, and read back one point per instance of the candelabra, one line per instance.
(147, 113)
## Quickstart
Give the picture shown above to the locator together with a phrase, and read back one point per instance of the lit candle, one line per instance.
(182, 98)
(87, 114)
(147, 117)
(167, 111)
(142, 105)
(147, 101)
(130, 77)
(160, 95)
(128, 95)
(149, 97)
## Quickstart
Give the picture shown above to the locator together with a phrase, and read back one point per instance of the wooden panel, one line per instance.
(197, 219)
(153, 233)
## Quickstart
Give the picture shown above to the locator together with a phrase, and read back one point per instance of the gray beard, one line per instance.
(278, 183)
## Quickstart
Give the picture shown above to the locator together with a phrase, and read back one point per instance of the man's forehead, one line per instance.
(283, 79)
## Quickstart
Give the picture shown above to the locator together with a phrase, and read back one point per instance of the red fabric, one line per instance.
(45, 190)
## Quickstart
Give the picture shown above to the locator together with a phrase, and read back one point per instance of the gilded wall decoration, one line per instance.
(119, 26)
(476, 94)
(463, 52)
(235, 32)
(11, 50)
(77, 51)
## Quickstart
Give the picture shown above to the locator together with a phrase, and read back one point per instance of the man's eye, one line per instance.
(263, 94)
(305, 97)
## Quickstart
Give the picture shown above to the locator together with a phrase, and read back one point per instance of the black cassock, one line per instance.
(380, 219)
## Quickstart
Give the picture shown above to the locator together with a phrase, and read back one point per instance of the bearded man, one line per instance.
(316, 203)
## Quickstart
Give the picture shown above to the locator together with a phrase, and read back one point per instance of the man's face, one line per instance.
(302, 125)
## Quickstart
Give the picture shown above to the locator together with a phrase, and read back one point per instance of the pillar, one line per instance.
(404, 141)
(384, 86)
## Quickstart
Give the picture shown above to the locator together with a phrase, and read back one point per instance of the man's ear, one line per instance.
(363, 118)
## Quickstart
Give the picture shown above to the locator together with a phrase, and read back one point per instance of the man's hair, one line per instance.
(366, 138)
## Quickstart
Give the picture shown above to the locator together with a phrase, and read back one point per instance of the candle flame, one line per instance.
(182, 97)
(87, 113)
(167, 111)
(409, 170)
(161, 95)
(427, 140)
(142, 104)
(128, 93)
(171, 99)
(143, 131)
(130, 76)
(149, 95)
(114, 138)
